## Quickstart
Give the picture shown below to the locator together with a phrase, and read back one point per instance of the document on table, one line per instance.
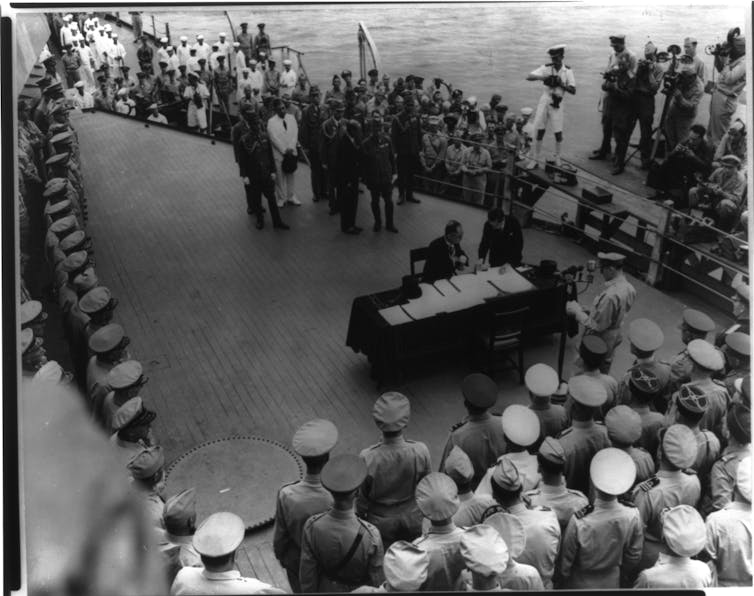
(395, 315)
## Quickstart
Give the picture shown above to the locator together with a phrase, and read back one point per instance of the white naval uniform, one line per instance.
(546, 112)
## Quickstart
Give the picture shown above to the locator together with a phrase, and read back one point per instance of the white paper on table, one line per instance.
(394, 315)
(511, 281)
(443, 285)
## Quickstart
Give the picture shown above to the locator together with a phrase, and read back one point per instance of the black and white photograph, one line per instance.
(376, 297)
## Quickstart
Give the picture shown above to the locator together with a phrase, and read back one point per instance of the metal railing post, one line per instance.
(154, 30)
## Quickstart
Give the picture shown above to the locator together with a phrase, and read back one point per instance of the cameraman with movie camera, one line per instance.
(730, 64)
(648, 80)
(619, 86)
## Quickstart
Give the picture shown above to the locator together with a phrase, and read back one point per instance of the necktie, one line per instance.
(285, 126)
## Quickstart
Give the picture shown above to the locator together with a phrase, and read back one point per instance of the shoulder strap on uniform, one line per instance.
(690, 471)
(649, 484)
(492, 509)
(584, 511)
(626, 502)
(457, 425)
(333, 572)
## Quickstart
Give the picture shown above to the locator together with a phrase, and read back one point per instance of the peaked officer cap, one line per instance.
(54, 187)
(344, 473)
(58, 159)
(125, 374)
(85, 281)
(95, 300)
(50, 372)
(511, 530)
(63, 225)
(58, 208)
(484, 551)
(458, 466)
(147, 462)
(315, 438)
(743, 478)
(593, 345)
(646, 335)
(739, 342)
(29, 311)
(623, 425)
(127, 413)
(437, 496)
(527, 111)
(618, 38)
(552, 450)
(742, 290)
(705, 354)
(611, 257)
(679, 446)
(612, 471)
(479, 390)
(541, 380)
(698, 321)
(220, 534)
(106, 338)
(557, 49)
(684, 531)
(26, 339)
(587, 390)
(506, 475)
(391, 411)
(644, 380)
(405, 566)
(72, 240)
(74, 261)
(520, 425)
(181, 508)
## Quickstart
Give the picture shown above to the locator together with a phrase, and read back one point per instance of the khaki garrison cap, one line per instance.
(646, 335)
(218, 535)
(684, 531)
(484, 551)
(612, 471)
(541, 380)
(315, 438)
(506, 475)
(623, 425)
(552, 450)
(391, 411)
(458, 466)
(405, 566)
(437, 497)
(520, 425)
(180, 508)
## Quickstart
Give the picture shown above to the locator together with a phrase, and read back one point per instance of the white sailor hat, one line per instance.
(181, 508)
(391, 411)
(541, 380)
(220, 534)
(183, 38)
(108, 27)
(106, 338)
(437, 496)
(506, 476)
(222, 34)
(458, 466)
(163, 40)
(684, 531)
(705, 354)
(527, 111)
(697, 320)
(315, 438)
(199, 36)
(520, 425)
(511, 530)
(679, 446)
(405, 566)
(553, 451)
(484, 551)
(125, 374)
(287, 62)
(612, 471)
(479, 390)
(95, 300)
(30, 310)
(114, 35)
(587, 390)
(236, 44)
(743, 478)
(623, 425)
(252, 62)
(50, 372)
(646, 335)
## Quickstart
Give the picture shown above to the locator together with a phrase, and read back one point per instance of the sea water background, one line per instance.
(480, 48)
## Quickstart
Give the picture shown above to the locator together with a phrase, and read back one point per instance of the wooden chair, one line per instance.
(502, 334)
(417, 255)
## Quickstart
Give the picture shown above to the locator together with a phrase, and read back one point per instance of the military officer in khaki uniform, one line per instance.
(541, 523)
(646, 337)
(339, 551)
(486, 556)
(395, 466)
(521, 430)
(109, 346)
(624, 431)
(737, 352)
(584, 437)
(740, 301)
(124, 381)
(31, 315)
(643, 388)
(132, 424)
(684, 536)
(592, 353)
(176, 543)
(674, 484)
(437, 498)
(706, 359)
(148, 473)
(552, 491)
(695, 325)
(458, 467)
(405, 567)
(610, 306)
(542, 381)
(480, 434)
(33, 355)
(729, 534)
(516, 576)
(602, 543)
(298, 501)
(216, 540)
(723, 474)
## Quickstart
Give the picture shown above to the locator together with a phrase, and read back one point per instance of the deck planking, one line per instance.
(243, 331)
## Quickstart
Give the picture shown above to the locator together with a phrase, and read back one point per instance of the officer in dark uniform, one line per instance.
(298, 501)
(620, 88)
(333, 130)
(542, 382)
(339, 551)
(740, 311)
(406, 133)
(310, 134)
(695, 325)
(643, 386)
(480, 434)
(648, 78)
(723, 474)
(737, 353)
(624, 431)
(379, 171)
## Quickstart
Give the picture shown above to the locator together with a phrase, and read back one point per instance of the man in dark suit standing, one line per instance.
(407, 139)
(502, 239)
(445, 256)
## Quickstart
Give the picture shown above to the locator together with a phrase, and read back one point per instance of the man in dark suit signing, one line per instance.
(445, 257)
